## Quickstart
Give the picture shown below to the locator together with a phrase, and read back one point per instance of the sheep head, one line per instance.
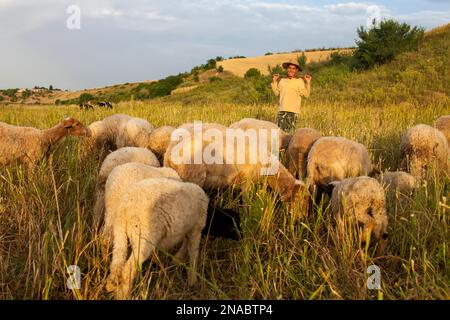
(75, 127)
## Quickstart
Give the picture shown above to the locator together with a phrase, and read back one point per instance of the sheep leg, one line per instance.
(119, 258)
(181, 254)
(144, 249)
(193, 244)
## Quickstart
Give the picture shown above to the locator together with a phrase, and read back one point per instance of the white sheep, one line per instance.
(119, 180)
(443, 125)
(336, 158)
(398, 182)
(363, 199)
(155, 213)
(159, 140)
(256, 124)
(114, 159)
(117, 131)
(297, 152)
(27, 145)
(222, 168)
(423, 146)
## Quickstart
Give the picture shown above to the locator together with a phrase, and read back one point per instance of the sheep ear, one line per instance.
(68, 122)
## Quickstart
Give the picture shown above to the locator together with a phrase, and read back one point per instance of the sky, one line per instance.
(74, 44)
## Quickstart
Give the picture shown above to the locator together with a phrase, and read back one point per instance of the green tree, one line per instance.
(302, 61)
(85, 97)
(220, 69)
(382, 43)
(252, 73)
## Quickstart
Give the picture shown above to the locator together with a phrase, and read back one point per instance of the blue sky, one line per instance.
(128, 41)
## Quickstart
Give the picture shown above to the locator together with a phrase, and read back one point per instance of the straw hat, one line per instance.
(291, 62)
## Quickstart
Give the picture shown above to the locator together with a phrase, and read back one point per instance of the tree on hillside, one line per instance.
(302, 61)
(381, 43)
(252, 72)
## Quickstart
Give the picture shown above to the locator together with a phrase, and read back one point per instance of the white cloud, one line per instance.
(128, 41)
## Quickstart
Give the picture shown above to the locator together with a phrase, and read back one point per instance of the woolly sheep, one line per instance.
(117, 131)
(155, 213)
(297, 153)
(222, 175)
(362, 198)
(120, 178)
(336, 158)
(398, 182)
(423, 146)
(114, 159)
(256, 124)
(27, 145)
(443, 125)
(160, 139)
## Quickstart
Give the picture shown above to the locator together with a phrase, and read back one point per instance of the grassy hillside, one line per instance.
(414, 78)
(45, 215)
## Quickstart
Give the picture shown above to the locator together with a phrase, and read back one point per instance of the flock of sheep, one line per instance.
(145, 200)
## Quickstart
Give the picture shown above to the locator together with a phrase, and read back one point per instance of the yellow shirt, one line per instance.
(290, 92)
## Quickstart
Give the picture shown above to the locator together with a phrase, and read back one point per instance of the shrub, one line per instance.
(268, 53)
(381, 44)
(252, 72)
(302, 61)
(214, 79)
(85, 97)
(220, 69)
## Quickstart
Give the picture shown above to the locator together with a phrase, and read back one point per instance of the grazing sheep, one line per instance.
(398, 182)
(362, 198)
(222, 168)
(336, 158)
(27, 145)
(256, 124)
(159, 140)
(297, 153)
(117, 131)
(114, 159)
(155, 213)
(119, 180)
(423, 146)
(443, 125)
(134, 133)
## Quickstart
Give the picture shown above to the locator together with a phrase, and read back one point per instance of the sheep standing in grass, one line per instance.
(219, 165)
(362, 198)
(119, 180)
(336, 158)
(28, 145)
(398, 182)
(155, 213)
(114, 159)
(423, 146)
(443, 125)
(256, 124)
(117, 131)
(159, 140)
(297, 153)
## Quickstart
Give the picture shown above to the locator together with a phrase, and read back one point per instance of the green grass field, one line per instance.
(45, 215)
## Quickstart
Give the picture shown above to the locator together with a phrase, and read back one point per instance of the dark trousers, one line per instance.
(287, 121)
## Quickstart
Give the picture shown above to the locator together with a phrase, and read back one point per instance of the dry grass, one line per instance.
(45, 220)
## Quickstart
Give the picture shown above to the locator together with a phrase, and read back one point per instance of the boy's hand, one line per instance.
(275, 77)
(307, 78)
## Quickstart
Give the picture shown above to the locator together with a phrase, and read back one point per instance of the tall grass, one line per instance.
(45, 220)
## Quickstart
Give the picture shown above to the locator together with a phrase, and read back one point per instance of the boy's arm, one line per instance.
(275, 88)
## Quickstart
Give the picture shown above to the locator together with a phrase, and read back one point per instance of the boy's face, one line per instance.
(292, 71)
